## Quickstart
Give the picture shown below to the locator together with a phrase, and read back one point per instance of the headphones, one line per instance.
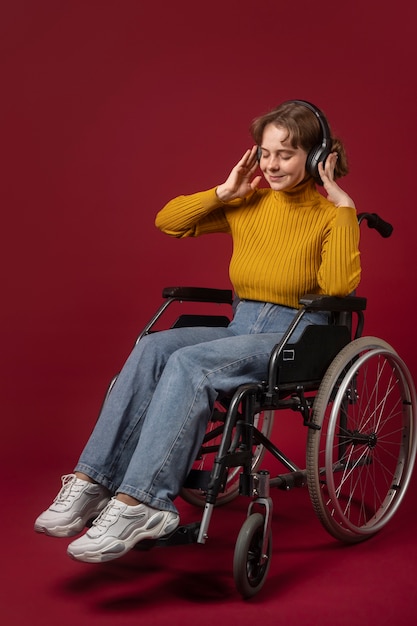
(319, 152)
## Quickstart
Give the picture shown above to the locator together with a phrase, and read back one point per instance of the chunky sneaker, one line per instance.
(77, 502)
(118, 528)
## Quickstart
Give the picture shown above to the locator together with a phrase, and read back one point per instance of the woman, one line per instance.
(288, 240)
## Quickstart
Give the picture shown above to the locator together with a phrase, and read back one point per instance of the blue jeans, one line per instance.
(154, 419)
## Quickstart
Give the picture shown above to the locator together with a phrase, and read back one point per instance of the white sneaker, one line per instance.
(77, 502)
(118, 528)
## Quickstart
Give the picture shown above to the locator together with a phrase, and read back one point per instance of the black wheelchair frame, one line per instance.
(358, 402)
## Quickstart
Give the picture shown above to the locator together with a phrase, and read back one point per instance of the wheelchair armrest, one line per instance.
(317, 302)
(199, 294)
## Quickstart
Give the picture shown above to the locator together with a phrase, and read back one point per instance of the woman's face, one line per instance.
(282, 165)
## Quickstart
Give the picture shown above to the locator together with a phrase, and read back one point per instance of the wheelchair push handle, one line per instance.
(374, 221)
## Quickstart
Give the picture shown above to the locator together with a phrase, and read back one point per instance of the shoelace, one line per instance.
(69, 489)
(107, 516)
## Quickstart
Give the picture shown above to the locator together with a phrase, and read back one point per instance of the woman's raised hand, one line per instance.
(334, 193)
(240, 182)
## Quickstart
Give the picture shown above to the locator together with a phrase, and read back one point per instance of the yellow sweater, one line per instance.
(285, 244)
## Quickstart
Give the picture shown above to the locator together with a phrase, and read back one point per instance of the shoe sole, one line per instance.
(119, 547)
(62, 531)
(69, 530)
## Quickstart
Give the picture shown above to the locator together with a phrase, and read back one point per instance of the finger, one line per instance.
(326, 176)
(248, 163)
(322, 169)
(330, 165)
(331, 160)
(245, 158)
(253, 157)
(254, 184)
(253, 165)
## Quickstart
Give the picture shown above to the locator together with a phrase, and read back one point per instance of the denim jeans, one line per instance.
(154, 419)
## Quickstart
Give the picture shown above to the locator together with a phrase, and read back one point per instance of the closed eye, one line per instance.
(285, 156)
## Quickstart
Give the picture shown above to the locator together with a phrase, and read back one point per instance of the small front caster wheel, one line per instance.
(250, 565)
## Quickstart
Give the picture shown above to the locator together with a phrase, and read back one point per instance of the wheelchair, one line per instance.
(357, 401)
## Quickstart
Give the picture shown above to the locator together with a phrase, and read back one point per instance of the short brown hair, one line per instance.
(303, 129)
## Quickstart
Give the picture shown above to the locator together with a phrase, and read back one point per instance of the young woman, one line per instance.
(288, 240)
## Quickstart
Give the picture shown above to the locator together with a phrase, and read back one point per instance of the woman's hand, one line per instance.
(334, 193)
(239, 183)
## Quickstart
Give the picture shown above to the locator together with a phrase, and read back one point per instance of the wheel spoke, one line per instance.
(366, 410)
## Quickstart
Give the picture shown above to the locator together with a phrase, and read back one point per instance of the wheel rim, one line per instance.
(369, 460)
(255, 571)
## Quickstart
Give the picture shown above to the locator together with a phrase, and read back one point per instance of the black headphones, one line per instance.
(319, 152)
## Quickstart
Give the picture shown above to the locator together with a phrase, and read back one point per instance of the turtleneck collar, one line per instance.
(303, 192)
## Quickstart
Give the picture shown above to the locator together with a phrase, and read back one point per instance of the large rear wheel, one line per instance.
(360, 460)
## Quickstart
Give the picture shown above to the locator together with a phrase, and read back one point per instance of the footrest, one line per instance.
(183, 535)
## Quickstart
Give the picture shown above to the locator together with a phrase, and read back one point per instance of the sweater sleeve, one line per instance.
(340, 269)
(193, 215)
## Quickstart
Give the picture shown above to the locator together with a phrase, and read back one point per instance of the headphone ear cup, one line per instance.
(317, 155)
(258, 153)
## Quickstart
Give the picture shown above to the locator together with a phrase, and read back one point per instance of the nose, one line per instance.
(272, 162)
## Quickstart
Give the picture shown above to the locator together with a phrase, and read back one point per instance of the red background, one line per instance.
(108, 110)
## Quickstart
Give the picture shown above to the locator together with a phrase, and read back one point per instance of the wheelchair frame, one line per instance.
(358, 402)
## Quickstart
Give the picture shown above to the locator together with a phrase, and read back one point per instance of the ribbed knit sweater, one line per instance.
(285, 243)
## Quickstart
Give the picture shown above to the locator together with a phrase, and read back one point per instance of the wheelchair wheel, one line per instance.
(250, 566)
(360, 461)
(262, 421)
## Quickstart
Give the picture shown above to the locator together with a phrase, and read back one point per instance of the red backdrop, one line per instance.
(108, 110)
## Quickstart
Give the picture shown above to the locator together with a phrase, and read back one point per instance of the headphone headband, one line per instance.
(325, 130)
(319, 152)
